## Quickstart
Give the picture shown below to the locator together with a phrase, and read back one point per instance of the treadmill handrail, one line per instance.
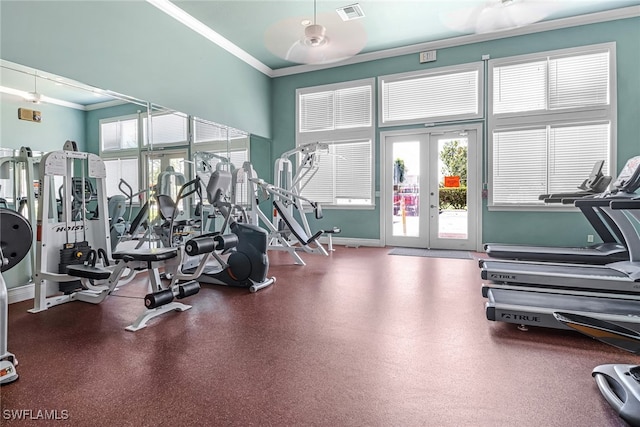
(596, 202)
(625, 204)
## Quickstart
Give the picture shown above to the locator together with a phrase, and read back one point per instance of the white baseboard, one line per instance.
(351, 242)
(21, 293)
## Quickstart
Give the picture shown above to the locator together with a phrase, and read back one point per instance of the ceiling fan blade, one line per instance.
(496, 15)
(463, 20)
(516, 14)
(344, 39)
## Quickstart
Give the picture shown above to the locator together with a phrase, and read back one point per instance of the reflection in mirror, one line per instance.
(39, 87)
(147, 149)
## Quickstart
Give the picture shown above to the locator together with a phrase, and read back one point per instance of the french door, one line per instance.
(431, 189)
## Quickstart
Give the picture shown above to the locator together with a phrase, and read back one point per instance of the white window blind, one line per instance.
(520, 87)
(117, 169)
(579, 81)
(337, 109)
(344, 175)
(208, 132)
(119, 134)
(528, 163)
(519, 165)
(167, 129)
(238, 157)
(353, 172)
(450, 93)
(552, 116)
(316, 112)
(571, 162)
(340, 115)
(551, 83)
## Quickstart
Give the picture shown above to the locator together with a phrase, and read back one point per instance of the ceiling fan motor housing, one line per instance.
(314, 35)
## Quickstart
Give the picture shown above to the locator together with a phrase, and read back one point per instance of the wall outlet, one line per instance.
(589, 238)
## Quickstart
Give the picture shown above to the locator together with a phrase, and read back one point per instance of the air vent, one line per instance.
(353, 11)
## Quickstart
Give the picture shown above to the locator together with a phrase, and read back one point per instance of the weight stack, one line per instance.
(70, 254)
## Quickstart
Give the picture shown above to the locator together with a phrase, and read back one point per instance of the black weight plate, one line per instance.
(15, 237)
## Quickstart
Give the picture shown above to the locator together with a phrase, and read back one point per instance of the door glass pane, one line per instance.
(406, 188)
(153, 170)
(452, 188)
(177, 163)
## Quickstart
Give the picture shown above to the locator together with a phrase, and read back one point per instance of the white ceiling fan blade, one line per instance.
(344, 39)
(516, 14)
(463, 20)
(497, 15)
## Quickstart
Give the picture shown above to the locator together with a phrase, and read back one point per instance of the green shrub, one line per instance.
(453, 198)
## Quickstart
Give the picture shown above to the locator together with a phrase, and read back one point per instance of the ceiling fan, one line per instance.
(325, 39)
(34, 97)
(496, 15)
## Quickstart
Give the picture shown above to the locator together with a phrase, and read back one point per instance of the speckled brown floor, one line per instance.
(361, 338)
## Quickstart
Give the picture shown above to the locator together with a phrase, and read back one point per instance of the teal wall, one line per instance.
(58, 125)
(114, 45)
(261, 155)
(559, 228)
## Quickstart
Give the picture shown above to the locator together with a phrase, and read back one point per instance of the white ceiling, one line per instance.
(389, 26)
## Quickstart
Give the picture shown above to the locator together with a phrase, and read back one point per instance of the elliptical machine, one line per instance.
(247, 265)
(15, 242)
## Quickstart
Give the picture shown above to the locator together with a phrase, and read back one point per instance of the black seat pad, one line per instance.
(88, 272)
(147, 255)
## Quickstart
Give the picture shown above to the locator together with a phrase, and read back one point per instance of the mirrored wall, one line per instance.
(151, 148)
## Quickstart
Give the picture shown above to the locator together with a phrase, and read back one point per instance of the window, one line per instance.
(173, 135)
(121, 168)
(344, 175)
(167, 128)
(552, 116)
(444, 94)
(225, 144)
(341, 116)
(119, 134)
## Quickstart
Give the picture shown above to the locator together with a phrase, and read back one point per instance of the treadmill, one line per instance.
(614, 299)
(596, 183)
(528, 293)
(621, 276)
(611, 249)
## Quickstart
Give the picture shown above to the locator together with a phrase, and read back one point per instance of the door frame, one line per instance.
(385, 209)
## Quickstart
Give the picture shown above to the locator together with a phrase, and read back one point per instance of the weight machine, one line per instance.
(77, 251)
(22, 171)
(285, 232)
(15, 241)
(293, 184)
